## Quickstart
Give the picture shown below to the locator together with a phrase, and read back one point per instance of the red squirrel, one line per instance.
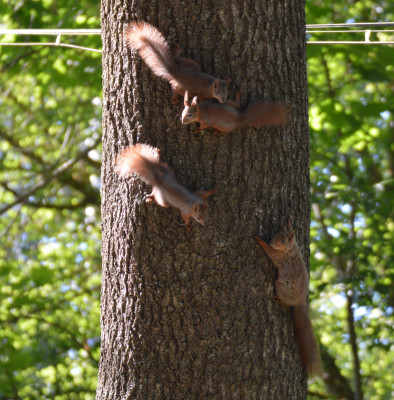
(182, 73)
(144, 161)
(292, 288)
(226, 117)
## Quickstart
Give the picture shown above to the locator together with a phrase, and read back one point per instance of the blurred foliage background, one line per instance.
(50, 130)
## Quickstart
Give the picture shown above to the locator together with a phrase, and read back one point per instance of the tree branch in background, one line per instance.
(337, 385)
(341, 266)
(316, 395)
(358, 392)
(69, 206)
(16, 146)
(14, 318)
(49, 177)
(90, 194)
(17, 59)
(347, 266)
(350, 271)
(11, 222)
(335, 381)
(14, 387)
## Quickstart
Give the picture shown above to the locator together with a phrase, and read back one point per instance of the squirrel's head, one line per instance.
(200, 209)
(219, 89)
(189, 113)
(284, 240)
(200, 213)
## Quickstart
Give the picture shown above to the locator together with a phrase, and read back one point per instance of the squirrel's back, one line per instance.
(144, 161)
(218, 113)
(292, 285)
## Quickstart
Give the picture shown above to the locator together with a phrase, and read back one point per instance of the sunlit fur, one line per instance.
(225, 117)
(182, 73)
(144, 161)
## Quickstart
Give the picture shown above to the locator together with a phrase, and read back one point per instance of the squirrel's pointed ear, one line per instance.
(216, 84)
(186, 99)
(290, 235)
(194, 101)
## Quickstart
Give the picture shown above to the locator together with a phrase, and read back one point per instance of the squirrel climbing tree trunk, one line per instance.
(192, 314)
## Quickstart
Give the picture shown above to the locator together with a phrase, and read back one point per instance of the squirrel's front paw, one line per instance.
(276, 298)
(148, 198)
(188, 227)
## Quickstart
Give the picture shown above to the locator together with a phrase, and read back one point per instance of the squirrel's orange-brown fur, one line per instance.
(182, 73)
(144, 161)
(292, 288)
(225, 117)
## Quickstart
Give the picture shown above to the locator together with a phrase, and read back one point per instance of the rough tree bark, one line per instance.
(192, 314)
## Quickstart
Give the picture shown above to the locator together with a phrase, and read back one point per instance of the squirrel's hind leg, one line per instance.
(156, 195)
(285, 293)
(186, 219)
(176, 91)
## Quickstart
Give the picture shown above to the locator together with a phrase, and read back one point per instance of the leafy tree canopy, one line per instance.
(50, 130)
(352, 165)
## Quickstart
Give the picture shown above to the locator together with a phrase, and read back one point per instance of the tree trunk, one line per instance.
(192, 314)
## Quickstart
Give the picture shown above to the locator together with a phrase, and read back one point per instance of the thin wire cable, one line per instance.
(350, 25)
(310, 31)
(51, 32)
(345, 42)
(315, 28)
(353, 31)
(51, 44)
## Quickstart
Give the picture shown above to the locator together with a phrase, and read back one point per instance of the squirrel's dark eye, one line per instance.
(190, 115)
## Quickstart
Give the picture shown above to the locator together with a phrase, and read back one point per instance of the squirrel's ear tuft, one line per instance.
(186, 99)
(290, 235)
(195, 101)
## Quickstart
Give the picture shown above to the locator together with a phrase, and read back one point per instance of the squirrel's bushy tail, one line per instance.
(142, 160)
(264, 114)
(306, 340)
(152, 47)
